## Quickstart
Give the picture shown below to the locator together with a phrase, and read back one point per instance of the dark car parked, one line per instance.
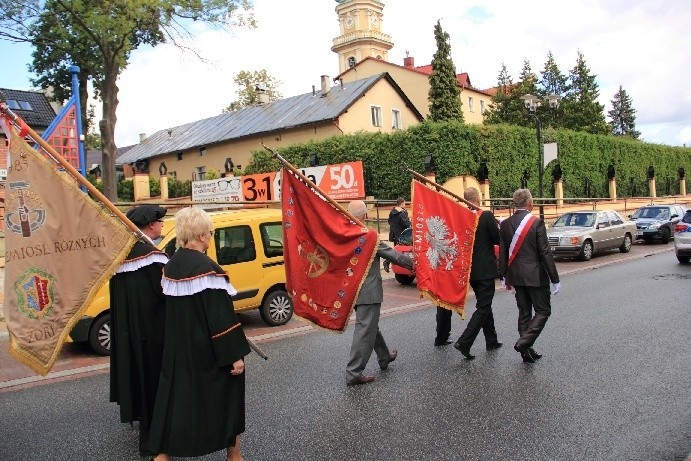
(657, 221)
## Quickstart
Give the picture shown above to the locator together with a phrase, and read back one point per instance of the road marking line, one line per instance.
(53, 375)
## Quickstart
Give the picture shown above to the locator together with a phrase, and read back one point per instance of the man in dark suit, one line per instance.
(526, 264)
(366, 336)
(483, 272)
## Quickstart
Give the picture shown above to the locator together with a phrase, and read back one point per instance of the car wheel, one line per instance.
(405, 279)
(586, 251)
(99, 336)
(665, 235)
(683, 259)
(277, 308)
(626, 246)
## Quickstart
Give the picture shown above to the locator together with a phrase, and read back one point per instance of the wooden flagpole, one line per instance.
(14, 118)
(304, 178)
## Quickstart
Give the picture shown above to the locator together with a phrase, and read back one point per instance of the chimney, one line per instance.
(314, 90)
(142, 137)
(325, 85)
(262, 93)
(409, 61)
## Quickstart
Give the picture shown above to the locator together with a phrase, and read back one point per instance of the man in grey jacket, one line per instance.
(367, 336)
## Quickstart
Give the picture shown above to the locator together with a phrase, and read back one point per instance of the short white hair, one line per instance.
(191, 223)
(357, 208)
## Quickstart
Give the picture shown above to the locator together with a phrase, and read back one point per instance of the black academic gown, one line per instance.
(200, 406)
(137, 323)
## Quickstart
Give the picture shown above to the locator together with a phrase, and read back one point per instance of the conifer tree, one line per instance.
(581, 110)
(496, 113)
(552, 82)
(623, 115)
(444, 91)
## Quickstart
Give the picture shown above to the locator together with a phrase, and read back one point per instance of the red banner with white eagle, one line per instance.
(327, 256)
(443, 236)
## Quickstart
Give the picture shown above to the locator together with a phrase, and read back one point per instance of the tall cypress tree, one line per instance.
(444, 91)
(623, 115)
(552, 82)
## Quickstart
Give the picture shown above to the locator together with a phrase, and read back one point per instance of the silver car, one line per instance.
(582, 233)
(682, 238)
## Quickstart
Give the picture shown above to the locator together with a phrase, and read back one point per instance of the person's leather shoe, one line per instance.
(463, 350)
(362, 379)
(525, 355)
(534, 354)
(384, 364)
(442, 343)
(492, 347)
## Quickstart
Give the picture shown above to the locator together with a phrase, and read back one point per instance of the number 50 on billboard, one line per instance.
(342, 181)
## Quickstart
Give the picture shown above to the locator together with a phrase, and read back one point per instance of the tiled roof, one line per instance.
(41, 115)
(463, 78)
(293, 112)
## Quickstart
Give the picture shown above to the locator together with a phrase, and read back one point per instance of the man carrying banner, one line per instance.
(367, 336)
(483, 273)
(526, 263)
(137, 324)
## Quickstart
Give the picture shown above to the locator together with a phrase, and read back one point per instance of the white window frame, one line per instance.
(375, 112)
(396, 120)
(471, 107)
(482, 107)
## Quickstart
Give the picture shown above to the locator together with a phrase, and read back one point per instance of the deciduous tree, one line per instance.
(247, 82)
(114, 29)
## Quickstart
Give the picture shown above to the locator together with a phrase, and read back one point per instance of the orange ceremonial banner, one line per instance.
(61, 246)
(443, 237)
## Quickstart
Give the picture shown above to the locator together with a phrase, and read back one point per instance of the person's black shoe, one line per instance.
(525, 355)
(494, 346)
(463, 350)
(442, 343)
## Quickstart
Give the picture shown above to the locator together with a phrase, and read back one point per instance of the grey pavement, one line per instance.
(612, 385)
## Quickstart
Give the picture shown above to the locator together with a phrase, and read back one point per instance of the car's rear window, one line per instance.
(687, 217)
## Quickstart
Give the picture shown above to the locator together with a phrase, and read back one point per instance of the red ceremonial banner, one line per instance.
(327, 256)
(443, 236)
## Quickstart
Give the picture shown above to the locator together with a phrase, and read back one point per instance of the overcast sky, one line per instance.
(641, 45)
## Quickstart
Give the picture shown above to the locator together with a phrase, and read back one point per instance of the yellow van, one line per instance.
(247, 244)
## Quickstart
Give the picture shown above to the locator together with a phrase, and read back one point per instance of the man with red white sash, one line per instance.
(526, 264)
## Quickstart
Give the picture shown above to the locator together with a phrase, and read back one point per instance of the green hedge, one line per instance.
(458, 149)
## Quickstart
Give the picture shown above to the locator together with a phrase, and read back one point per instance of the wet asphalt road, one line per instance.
(613, 385)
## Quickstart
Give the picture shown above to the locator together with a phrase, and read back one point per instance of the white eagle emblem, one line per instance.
(442, 249)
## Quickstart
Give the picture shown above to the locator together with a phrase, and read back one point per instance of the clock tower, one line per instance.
(361, 36)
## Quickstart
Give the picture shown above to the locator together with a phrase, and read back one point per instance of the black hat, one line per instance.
(145, 214)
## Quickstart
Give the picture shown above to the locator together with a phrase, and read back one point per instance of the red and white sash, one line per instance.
(519, 236)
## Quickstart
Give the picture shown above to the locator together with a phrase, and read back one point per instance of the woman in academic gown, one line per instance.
(200, 404)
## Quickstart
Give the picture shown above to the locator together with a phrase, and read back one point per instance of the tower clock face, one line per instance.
(349, 21)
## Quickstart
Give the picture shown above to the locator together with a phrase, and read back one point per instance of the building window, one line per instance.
(470, 103)
(172, 174)
(16, 104)
(351, 61)
(13, 104)
(179, 155)
(201, 173)
(396, 119)
(202, 151)
(376, 115)
(482, 106)
(25, 105)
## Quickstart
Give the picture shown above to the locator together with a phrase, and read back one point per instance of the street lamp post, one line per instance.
(532, 103)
